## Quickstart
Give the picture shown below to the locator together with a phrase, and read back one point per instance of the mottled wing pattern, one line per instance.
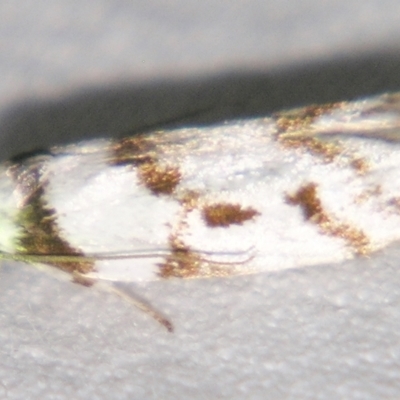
(303, 187)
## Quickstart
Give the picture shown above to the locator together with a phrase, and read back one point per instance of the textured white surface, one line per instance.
(325, 332)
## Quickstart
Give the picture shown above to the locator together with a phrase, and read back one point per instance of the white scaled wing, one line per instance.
(304, 187)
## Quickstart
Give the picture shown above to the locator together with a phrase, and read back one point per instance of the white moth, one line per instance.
(309, 186)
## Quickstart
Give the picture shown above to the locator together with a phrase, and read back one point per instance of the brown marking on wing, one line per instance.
(160, 179)
(360, 164)
(134, 150)
(141, 152)
(325, 149)
(301, 118)
(181, 262)
(190, 200)
(307, 198)
(41, 235)
(225, 214)
(295, 132)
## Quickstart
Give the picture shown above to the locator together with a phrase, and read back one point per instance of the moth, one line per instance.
(302, 187)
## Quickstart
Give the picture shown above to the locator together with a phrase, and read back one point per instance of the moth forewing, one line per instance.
(303, 187)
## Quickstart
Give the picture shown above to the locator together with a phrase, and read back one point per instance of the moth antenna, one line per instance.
(250, 256)
(48, 258)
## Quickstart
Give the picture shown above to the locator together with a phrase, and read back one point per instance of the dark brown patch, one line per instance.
(300, 118)
(181, 262)
(293, 132)
(135, 150)
(185, 263)
(307, 198)
(293, 126)
(225, 214)
(41, 236)
(328, 150)
(322, 148)
(360, 165)
(140, 151)
(158, 178)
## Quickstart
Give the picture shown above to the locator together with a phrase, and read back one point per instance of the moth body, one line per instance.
(303, 187)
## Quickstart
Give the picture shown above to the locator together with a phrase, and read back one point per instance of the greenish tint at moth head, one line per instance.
(40, 235)
(9, 231)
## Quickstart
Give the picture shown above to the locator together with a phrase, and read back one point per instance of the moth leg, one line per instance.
(143, 306)
(140, 304)
(82, 279)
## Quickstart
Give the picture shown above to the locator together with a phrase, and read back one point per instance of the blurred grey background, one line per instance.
(72, 70)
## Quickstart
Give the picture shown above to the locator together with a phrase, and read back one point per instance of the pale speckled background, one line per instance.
(72, 70)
